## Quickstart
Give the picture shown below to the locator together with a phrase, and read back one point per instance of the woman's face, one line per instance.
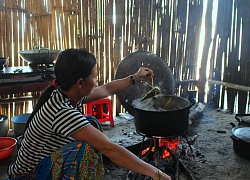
(91, 82)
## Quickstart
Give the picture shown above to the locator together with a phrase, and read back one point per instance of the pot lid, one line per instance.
(163, 76)
(242, 133)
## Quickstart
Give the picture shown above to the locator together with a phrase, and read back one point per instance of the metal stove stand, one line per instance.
(155, 157)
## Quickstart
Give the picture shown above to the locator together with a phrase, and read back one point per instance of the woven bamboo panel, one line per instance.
(112, 30)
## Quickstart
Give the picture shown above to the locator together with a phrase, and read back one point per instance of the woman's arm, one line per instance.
(118, 85)
(118, 154)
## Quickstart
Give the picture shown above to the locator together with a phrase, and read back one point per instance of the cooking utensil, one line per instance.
(39, 56)
(3, 125)
(241, 141)
(152, 119)
(3, 62)
(163, 76)
(154, 91)
(243, 119)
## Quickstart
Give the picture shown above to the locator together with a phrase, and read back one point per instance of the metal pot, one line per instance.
(161, 115)
(243, 119)
(241, 141)
(3, 62)
(19, 123)
(39, 56)
(3, 125)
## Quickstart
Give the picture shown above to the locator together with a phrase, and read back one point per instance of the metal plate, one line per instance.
(163, 76)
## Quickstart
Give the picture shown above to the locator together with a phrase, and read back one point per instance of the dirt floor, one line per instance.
(212, 157)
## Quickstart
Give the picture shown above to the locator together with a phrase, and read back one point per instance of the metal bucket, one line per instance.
(3, 125)
(19, 123)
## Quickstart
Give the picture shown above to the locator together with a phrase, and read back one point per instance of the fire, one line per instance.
(171, 144)
(146, 150)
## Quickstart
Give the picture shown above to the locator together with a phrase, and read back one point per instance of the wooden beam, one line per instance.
(18, 99)
(230, 85)
(186, 81)
(23, 88)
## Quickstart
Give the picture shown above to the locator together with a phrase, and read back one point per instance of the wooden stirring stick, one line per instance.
(149, 85)
(152, 81)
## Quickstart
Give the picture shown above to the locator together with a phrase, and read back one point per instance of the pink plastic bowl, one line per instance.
(7, 146)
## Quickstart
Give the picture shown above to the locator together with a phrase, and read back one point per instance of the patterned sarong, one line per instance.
(77, 160)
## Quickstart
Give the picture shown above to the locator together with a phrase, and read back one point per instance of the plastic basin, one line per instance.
(7, 146)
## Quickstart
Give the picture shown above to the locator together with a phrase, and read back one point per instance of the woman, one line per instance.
(61, 143)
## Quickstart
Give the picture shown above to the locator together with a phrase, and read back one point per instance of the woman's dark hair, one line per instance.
(71, 65)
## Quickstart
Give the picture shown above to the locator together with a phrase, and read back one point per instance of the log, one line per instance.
(196, 113)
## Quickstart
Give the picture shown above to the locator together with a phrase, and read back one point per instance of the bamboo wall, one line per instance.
(113, 29)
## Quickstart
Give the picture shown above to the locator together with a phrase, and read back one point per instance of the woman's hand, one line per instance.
(161, 176)
(143, 72)
(165, 177)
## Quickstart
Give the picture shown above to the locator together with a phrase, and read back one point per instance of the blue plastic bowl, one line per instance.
(19, 123)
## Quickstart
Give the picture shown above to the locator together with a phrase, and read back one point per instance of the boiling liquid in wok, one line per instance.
(161, 103)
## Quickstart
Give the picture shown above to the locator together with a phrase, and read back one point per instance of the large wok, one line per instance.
(39, 56)
(161, 115)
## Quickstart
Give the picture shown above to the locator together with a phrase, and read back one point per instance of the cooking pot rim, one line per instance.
(242, 133)
(4, 117)
(36, 51)
(3, 58)
(163, 95)
(20, 119)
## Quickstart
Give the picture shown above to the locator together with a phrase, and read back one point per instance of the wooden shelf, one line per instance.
(11, 89)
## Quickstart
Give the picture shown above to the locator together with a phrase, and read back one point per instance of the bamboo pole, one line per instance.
(208, 25)
(2, 31)
(231, 85)
(8, 44)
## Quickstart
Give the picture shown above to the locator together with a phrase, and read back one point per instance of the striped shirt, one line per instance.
(49, 130)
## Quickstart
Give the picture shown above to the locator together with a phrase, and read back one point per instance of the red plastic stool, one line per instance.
(101, 109)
